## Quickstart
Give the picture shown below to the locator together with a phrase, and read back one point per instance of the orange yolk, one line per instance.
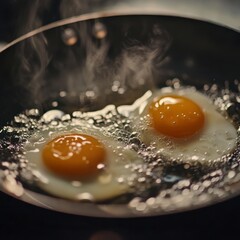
(74, 155)
(176, 116)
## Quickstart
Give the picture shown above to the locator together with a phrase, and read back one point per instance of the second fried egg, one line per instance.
(184, 125)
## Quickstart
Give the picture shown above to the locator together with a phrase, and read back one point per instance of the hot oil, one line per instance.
(156, 184)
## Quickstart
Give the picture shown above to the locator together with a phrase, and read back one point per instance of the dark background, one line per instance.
(7, 20)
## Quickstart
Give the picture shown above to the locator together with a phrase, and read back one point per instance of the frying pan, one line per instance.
(37, 67)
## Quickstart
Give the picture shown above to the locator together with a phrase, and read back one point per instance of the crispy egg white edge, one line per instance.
(100, 190)
(211, 138)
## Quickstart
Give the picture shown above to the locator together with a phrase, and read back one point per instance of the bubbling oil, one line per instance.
(155, 184)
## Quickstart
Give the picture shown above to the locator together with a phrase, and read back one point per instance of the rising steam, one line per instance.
(90, 67)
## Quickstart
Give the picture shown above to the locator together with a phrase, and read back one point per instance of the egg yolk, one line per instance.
(74, 155)
(176, 116)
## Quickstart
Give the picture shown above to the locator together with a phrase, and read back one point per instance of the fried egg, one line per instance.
(184, 125)
(80, 162)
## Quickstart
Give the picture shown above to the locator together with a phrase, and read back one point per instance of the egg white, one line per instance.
(112, 181)
(217, 138)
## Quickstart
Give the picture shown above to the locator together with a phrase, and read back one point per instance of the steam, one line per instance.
(87, 65)
(119, 79)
